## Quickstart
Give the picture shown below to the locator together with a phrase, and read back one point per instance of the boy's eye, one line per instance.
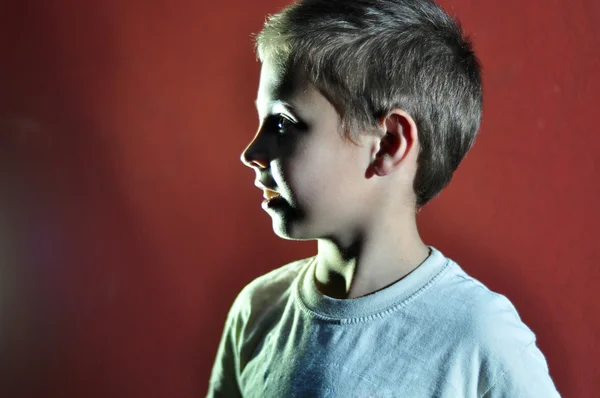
(282, 124)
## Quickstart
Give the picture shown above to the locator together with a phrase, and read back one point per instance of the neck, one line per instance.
(359, 263)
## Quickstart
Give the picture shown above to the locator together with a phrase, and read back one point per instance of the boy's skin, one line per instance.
(352, 199)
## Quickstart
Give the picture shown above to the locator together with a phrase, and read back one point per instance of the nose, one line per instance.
(255, 154)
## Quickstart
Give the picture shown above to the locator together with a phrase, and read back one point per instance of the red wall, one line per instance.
(128, 224)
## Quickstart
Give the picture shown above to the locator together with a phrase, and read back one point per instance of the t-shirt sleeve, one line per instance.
(223, 379)
(527, 377)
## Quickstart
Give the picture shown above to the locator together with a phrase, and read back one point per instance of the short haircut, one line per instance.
(368, 57)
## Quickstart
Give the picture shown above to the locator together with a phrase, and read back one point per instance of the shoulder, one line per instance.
(487, 319)
(267, 289)
(493, 335)
(510, 362)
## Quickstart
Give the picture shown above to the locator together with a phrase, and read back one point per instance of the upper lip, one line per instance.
(262, 186)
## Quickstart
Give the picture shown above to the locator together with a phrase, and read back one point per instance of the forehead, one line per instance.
(279, 86)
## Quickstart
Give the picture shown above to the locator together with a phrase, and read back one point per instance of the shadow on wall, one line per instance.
(75, 271)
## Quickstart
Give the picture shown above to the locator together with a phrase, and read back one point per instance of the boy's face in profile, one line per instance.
(299, 152)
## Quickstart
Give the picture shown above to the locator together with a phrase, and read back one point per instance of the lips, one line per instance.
(264, 187)
(270, 194)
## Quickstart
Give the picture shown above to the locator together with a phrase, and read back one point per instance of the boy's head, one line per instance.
(398, 82)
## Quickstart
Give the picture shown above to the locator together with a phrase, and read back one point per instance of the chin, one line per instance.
(292, 229)
(285, 232)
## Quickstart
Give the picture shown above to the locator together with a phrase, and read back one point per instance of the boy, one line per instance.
(366, 109)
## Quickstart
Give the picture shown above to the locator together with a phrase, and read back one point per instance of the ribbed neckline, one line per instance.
(374, 305)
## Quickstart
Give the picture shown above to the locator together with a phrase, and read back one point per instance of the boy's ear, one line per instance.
(399, 138)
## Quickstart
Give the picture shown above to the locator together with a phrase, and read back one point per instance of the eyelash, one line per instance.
(280, 122)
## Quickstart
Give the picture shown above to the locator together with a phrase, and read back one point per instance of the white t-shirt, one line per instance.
(437, 332)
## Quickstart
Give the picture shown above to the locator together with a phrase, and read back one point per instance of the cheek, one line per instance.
(311, 172)
(304, 178)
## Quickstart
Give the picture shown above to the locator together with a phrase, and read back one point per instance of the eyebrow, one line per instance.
(289, 107)
(285, 104)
